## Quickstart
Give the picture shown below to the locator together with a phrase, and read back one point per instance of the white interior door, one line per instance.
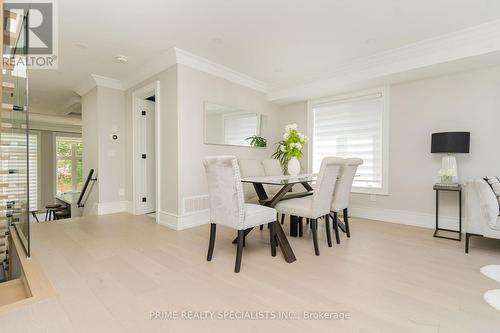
(146, 171)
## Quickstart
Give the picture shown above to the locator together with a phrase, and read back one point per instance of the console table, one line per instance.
(457, 189)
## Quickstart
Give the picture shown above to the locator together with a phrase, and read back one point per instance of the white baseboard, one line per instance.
(417, 219)
(129, 207)
(185, 221)
(113, 207)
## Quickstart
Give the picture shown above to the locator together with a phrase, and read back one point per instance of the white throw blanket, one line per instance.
(492, 297)
(491, 271)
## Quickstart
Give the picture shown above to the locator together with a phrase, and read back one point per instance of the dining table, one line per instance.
(284, 185)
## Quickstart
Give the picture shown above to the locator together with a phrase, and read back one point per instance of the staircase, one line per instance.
(14, 191)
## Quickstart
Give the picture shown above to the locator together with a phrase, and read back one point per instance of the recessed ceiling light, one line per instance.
(217, 40)
(121, 59)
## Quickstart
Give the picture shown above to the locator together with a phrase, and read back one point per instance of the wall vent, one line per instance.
(195, 204)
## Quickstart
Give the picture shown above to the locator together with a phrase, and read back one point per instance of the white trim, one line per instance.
(103, 81)
(191, 60)
(418, 219)
(470, 42)
(185, 221)
(56, 128)
(94, 80)
(140, 92)
(112, 207)
(161, 63)
(385, 92)
(85, 86)
(175, 56)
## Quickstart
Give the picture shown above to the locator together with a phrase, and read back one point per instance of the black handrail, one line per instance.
(84, 189)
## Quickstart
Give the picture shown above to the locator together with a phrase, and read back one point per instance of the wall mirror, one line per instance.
(226, 125)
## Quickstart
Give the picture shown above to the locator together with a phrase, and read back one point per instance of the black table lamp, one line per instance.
(450, 143)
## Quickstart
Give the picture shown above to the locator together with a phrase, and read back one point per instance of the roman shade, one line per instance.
(351, 128)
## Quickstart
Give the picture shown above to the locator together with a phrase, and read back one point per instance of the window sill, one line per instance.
(369, 191)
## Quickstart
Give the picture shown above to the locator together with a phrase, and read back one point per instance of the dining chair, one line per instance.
(342, 193)
(272, 167)
(250, 168)
(317, 205)
(227, 206)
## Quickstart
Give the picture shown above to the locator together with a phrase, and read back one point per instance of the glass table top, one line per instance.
(282, 180)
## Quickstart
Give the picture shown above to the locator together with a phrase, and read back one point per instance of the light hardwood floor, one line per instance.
(111, 271)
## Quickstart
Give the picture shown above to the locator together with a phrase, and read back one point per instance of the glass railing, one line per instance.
(14, 134)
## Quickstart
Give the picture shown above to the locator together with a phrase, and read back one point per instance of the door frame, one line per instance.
(142, 93)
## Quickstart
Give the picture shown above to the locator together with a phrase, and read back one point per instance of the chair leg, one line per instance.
(211, 243)
(346, 222)
(314, 224)
(239, 250)
(467, 236)
(282, 218)
(46, 215)
(336, 226)
(272, 237)
(36, 217)
(328, 231)
(301, 227)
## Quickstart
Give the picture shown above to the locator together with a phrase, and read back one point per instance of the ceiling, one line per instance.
(280, 42)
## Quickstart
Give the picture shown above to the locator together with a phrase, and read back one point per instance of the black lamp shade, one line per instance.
(450, 142)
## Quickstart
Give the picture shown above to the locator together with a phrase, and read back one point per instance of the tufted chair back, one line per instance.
(344, 185)
(325, 185)
(225, 191)
(250, 168)
(272, 167)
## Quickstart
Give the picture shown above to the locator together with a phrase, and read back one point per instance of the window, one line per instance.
(15, 149)
(239, 127)
(69, 166)
(356, 126)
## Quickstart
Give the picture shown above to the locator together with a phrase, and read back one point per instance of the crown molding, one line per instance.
(174, 56)
(462, 44)
(162, 62)
(94, 80)
(188, 59)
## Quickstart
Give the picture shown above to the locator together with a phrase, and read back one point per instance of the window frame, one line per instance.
(38, 135)
(385, 92)
(74, 158)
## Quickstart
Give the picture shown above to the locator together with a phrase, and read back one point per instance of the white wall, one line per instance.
(90, 142)
(467, 101)
(111, 120)
(103, 114)
(290, 114)
(183, 91)
(194, 88)
(462, 102)
(168, 154)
